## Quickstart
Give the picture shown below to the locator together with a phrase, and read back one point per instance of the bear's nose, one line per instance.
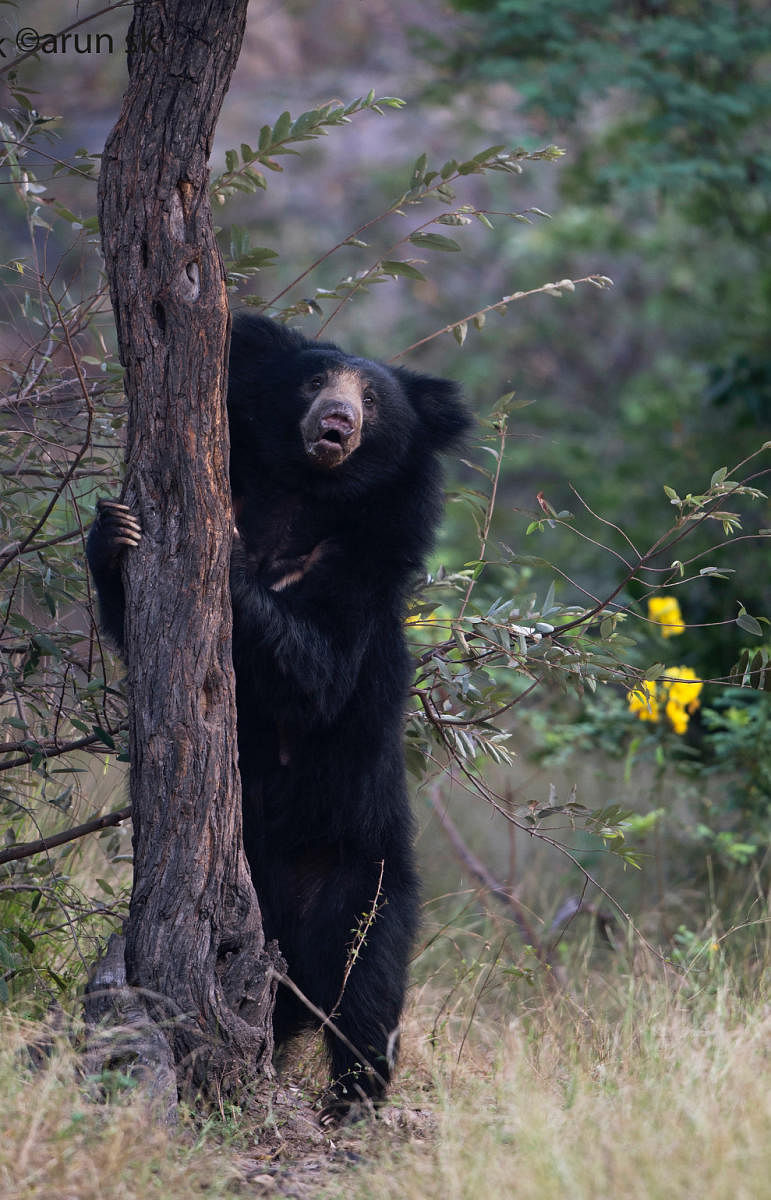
(340, 418)
(331, 430)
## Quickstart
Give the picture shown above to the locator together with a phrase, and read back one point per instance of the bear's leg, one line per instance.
(367, 1005)
(367, 1017)
(346, 939)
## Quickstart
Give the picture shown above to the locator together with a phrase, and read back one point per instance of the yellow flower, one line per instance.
(678, 691)
(665, 611)
(646, 707)
(686, 689)
(678, 717)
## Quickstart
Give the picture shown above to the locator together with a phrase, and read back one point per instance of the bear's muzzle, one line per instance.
(331, 429)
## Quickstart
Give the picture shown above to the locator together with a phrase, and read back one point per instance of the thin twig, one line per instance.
(53, 750)
(326, 1022)
(545, 289)
(358, 941)
(41, 845)
(487, 880)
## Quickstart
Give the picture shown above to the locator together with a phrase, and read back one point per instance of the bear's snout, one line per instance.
(339, 419)
(331, 428)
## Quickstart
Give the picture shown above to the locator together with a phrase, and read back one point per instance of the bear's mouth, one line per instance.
(331, 431)
(329, 450)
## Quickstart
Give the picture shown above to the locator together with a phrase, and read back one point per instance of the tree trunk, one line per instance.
(194, 941)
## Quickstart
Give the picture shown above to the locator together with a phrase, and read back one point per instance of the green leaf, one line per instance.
(401, 268)
(282, 127)
(26, 941)
(718, 477)
(46, 645)
(418, 171)
(238, 184)
(748, 623)
(257, 178)
(529, 560)
(491, 153)
(434, 241)
(66, 215)
(258, 256)
(104, 736)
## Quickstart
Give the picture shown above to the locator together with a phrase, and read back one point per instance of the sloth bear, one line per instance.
(337, 494)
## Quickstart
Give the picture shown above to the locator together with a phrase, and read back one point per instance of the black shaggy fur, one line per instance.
(337, 493)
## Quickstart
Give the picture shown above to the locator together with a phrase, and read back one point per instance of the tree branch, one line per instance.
(40, 845)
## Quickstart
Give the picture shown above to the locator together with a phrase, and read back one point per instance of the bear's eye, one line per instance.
(369, 399)
(316, 383)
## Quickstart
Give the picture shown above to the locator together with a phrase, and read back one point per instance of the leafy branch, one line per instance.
(468, 680)
(241, 174)
(459, 329)
(424, 184)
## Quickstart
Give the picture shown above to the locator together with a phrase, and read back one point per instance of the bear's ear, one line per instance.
(254, 338)
(439, 405)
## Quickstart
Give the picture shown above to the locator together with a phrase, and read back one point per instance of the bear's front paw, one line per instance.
(116, 529)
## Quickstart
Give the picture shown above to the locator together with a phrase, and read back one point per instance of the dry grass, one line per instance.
(659, 1103)
(640, 1090)
(58, 1145)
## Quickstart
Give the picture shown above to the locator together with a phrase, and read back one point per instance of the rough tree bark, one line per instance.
(194, 942)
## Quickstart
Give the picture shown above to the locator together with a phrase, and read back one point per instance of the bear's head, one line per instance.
(328, 415)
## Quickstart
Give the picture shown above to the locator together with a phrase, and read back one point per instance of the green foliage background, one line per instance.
(664, 109)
